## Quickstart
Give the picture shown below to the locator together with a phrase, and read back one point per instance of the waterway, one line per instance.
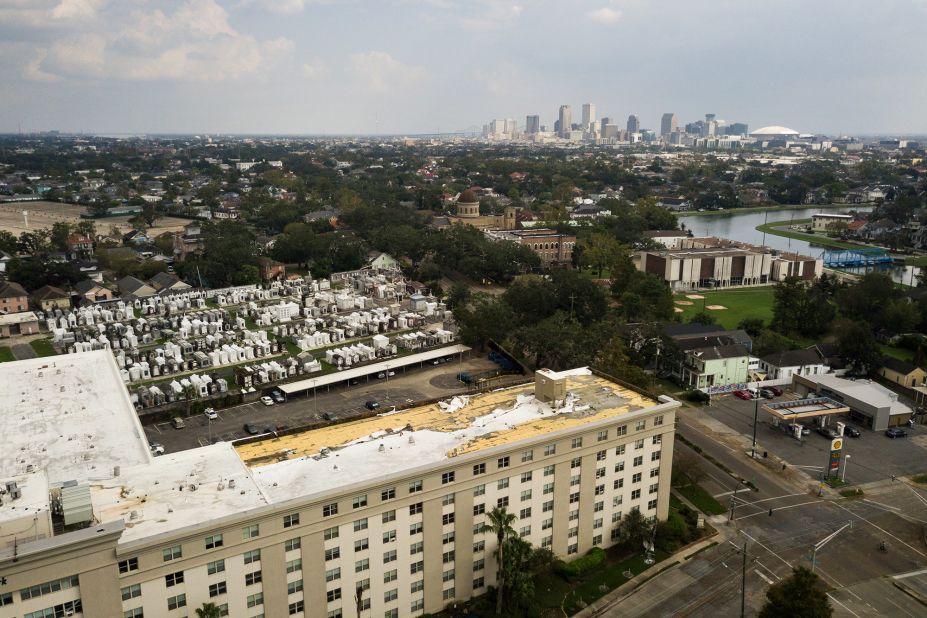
(742, 227)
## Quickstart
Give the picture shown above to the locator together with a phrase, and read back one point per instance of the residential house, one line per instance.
(92, 291)
(168, 282)
(384, 261)
(715, 367)
(189, 242)
(782, 365)
(13, 298)
(270, 269)
(80, 245)
(5, 259)
(135, 237)
(132, 286)
(49, 298)
(902, 372)
(22, 323)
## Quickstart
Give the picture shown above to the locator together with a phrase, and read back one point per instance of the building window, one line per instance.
(361, 545)
(548, 488)
(652, 504)
(657, 421)
(255, 599)
(548, 506)
(572, 549)
(252, 556)
(656, 440)
(549, 470)
(417, 586)
(638, 444)
(573, 516)
(547, 524)
(415, 528)
(415, 486)
(292, 544)
(130, 592)
(479, 546)
(333, 553)
(479, 490)
(361, 565)
(576, 443)
(600, 473)
(502, 502)
(654, 488)
(619, 450)
(655, 456)
(214, 541)
(641, 425)
(636, 477)
(527, 456)
(447, 477)
(330, 509)
(550, 449)
(416, 548)
(599, 506)
(359, 501)
(417, 567)
(502, 462)
(291, 520)
(296, 608)
(526, 476)
(252, 578)
(217, 589)
(389, 516)
(391, 613)
(635, 494)
(333, 595)
(447, 576)
(336, 613)
(389, 536)
(525, 513)
(547, 541)
(575, 480)
(417, 605)
(388, 494)
(390, 595)
(128, 565)
(447, 500)
(448, 594)
(654, 472)
(215, 567)
(621, 430)
(176, 602)
(574, 497)
(360, 524)
(526, 495)
(447, 537)
(447, 518)
(576, 462)
(599, 490)
(447, 557)
(172, 579)
(292, 566)
(172, 553)
(389, 556)
(479, 468)
(415, 509)
(479, 509)
(136, 612)
(502, 483)
(330, 533)
(602, 436)
(619, 467)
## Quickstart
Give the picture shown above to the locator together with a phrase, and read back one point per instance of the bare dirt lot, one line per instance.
(45, 214)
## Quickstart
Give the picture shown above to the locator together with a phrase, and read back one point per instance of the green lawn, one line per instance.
(778, 228)
(899, 353)
(43, 347)
(740, 303)
(6, 355)
(916, 260)
(702, 500)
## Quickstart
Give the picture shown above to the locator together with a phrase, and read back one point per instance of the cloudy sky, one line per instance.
(420, 66)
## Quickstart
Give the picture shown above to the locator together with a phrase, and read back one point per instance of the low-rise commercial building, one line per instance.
(870, 403)
(392, 505)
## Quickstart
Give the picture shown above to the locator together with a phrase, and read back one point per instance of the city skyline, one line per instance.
(301, 67)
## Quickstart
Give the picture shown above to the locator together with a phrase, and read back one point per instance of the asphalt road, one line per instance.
(405, 387)
(851, 564)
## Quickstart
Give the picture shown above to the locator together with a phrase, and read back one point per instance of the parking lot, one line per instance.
(343, 402)
(873, 456)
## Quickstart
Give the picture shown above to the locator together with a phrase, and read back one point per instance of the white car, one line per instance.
(210, 414)
(267, 401)
(156, 448)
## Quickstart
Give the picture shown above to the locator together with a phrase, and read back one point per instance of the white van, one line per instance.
(177, 422)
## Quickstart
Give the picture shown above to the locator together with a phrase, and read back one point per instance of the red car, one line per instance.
(743, 395)
(775, 390)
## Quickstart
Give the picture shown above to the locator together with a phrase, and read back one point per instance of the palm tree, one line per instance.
(208, 610)
(500, 522)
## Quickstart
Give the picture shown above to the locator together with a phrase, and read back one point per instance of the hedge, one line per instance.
(593, 558)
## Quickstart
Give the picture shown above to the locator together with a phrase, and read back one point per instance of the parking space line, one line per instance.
(883, 530)
(765, 579)
(837, 601)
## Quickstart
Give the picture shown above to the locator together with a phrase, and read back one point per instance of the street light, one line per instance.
(822, 543)
(315, 397)
(846, 461)
(756, 410)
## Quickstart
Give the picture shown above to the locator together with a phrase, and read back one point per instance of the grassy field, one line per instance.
(702, 500)
(742, 303)
(916, 260)
(778, 229)
(6, 355)
(899, 353)
(43, 347)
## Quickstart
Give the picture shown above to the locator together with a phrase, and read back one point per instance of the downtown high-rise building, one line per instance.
(532, 125)
(566, 120)
(604, 123)
(588, 116)
(668, 123)
(634, 123)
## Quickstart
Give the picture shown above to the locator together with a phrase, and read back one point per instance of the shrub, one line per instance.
(696, 396)
(571, 570)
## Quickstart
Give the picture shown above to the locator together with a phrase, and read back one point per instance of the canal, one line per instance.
(742, 227)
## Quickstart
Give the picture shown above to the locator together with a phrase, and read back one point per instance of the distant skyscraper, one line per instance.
(566, 120)
(605, 122)
(532, 124)
(668, 123)
(509, 126)
(589, 116)
(737, 128)
(634, 123)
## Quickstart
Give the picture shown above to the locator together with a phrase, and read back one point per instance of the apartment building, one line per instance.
(385, 513)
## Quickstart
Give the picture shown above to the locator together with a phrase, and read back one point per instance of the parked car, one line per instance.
(372, 405)
(278, 396)
(805, 430)
(156, 448)
(353, 382)
(768, 394)
(828, 432)
(251, 429)
(383, 374)
(850, 430)
(210, 414)
(267, 401)
(775, 390)
(178, 423)
(328, 416)
(743, 395)
(895, 432)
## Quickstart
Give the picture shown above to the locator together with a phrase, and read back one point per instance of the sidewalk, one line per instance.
(665, 568)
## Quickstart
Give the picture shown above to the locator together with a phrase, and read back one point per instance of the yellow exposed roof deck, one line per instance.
(463, 425)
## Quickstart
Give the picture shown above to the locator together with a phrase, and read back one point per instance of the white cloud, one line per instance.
(138, 41)
(380, 72)
(314, 69)
(605, 15)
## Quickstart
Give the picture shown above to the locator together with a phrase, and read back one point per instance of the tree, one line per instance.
(703, 317)
(752, 326)
(600, 251)
(208, 610)
(613, 360)
(857, 346)
(488, 320)
(799, 596)
(634, 528)
(499, 522)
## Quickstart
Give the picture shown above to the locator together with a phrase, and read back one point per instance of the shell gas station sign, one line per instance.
(833, 464)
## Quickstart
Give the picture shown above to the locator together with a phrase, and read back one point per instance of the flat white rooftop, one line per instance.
(8, 319)
(864, 391)
(69, 415)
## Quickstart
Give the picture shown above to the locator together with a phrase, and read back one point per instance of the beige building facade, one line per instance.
(569, 457)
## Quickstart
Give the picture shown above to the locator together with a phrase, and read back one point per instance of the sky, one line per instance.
(427, 66)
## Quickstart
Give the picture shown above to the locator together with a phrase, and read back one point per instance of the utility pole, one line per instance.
(756, 410)
(846, 462)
